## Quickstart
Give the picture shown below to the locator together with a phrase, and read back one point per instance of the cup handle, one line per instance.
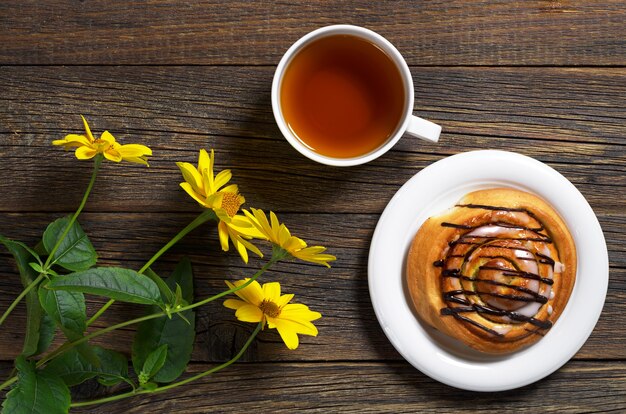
(423, 129)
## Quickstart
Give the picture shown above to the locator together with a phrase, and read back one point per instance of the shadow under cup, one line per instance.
(343, 97)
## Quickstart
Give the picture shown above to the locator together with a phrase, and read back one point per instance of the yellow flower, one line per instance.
(211, 192)
(266, 304)
(88, 147)
(278, 234)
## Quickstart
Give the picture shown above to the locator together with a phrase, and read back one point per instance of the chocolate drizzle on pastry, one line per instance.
(499, 287)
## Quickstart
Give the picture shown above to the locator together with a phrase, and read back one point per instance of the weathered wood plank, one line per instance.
(580, 386)
(348, 330)
(178, 110)
(213, 32)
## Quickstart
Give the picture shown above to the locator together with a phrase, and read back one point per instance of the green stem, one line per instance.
(179, 383)
(96, 167)
(235, 289)
(20, 297)
(8, 382)
(276, 256)
(69, 345)
(97, 162)
(202, 218)
(205, 216)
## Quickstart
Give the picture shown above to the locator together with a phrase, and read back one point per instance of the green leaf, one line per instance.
(166, 293)
(73, 368)
(32, 252)
(36, 392)
(183, 276)
(40, 249)
(113, 282)
(178, 296)
(46, 334)
(177, 334)
(154, 362)
(75, 252)
(36, 267)
(67, 310)
(34, 312)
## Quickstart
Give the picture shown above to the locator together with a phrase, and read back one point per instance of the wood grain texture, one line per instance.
(572, 119)
(550, 83)
(579, 387)
(349, 330)
(439, 32)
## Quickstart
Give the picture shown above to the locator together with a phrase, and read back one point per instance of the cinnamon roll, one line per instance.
(495, 271)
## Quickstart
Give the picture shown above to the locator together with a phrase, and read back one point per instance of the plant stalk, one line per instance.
(97, 162)
(96, 167)
(17, 300)
(202, 218)
(277, 256)
(179, 383)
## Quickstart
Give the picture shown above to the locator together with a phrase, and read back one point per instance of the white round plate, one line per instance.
(437, 188)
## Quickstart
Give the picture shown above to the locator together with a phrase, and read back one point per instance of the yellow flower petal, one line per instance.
(312, 255)
(204, 161)
(187, 187)
(222, 215)
(222, 178)
(87, 147)
(253, 293)
(222, 229)
(214, 201)
(108, 138)
(290, 338)
(299, 312)
(73, 140)
(226, 231)
(271, 291)
(249, 313)
(230, 189)
(241, 249)
(207, 182)
(251, 247)
(191, 176)
(138, 160)
(85, 153)
(284, 299)
(259, 221)
(234, 303)
(276, 226)
(244, 227)
(134, 150)
(300, 327)
(267, 303)
(87, 130)
(112, 155)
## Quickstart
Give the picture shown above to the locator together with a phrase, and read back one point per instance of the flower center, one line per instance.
(269, 308)
(102, 145)
(231, 203)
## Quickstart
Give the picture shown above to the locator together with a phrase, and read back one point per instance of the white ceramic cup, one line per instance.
(409, 123)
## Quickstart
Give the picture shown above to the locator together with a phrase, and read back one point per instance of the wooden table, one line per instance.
(543, 78)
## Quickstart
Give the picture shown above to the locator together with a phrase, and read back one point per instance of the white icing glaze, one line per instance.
(529, 310)
(551, 294)
(524, 254)
(546, 252)
(550, 310)
(490, 230)
(502, 329)
(559, 267)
